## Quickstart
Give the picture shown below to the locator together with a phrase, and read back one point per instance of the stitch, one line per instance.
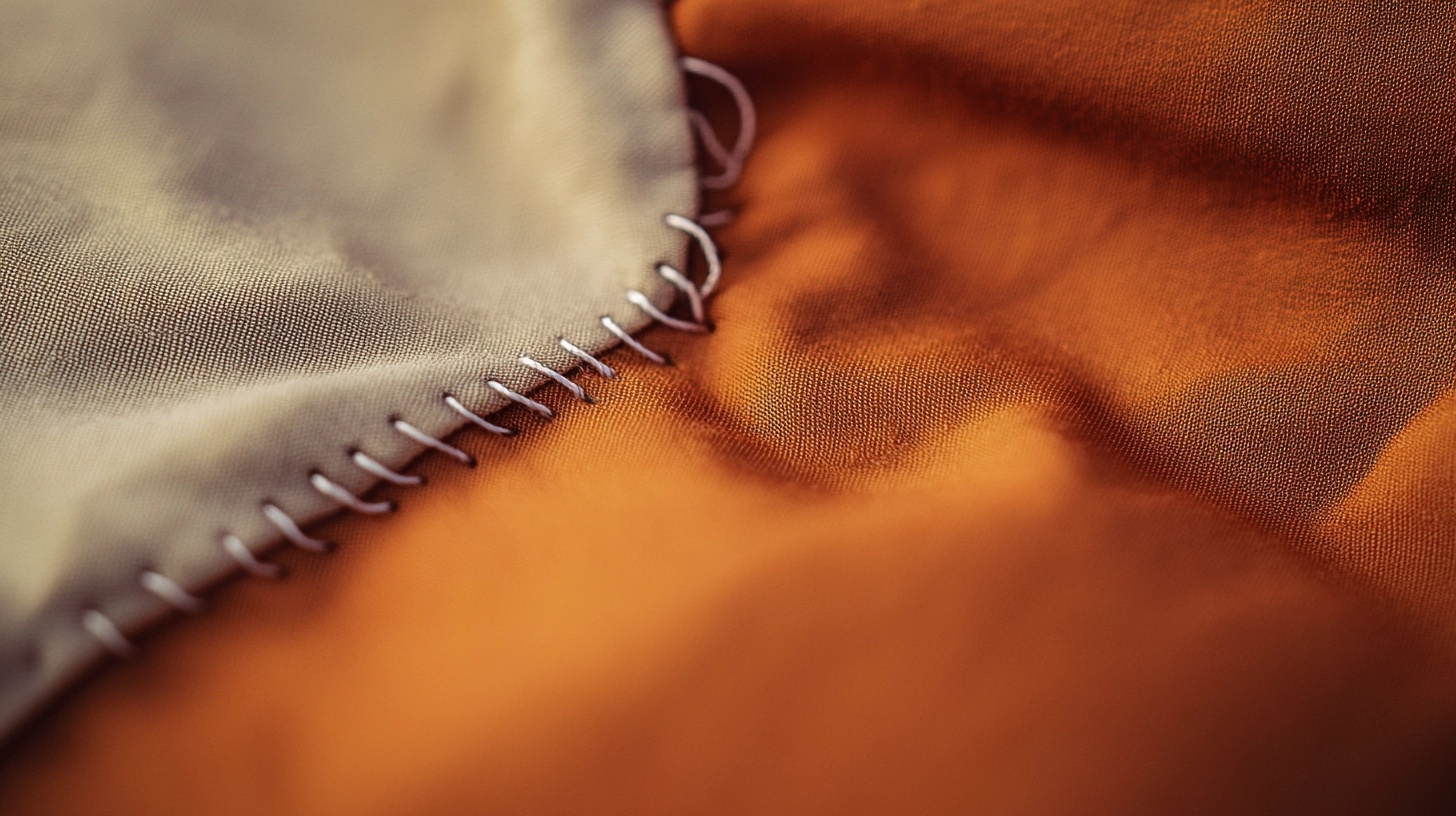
(576, 390)
(601, 368)
(670, 274)
(371, 466)
(640, 300)
(108, 634)
(335, 491)
(459, 408)
(705, 243)
(521, 399)
(431, 442)
(747, 122)
(681, 283)
(171, 592)
(711, 143)
(240, 553)
(631, 342)
(292, 531)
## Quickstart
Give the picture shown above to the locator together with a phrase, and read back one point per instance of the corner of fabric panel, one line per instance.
(238, 294)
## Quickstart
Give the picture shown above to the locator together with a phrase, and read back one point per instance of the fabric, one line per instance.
(1076, 438)
(237, 238)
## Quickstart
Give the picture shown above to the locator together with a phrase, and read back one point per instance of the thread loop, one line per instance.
(171, 592)
(480, 421)
(431, 442)
(600, 367)
(373, 467)
(632, 342)
(560, 379)
(108, 634)
(731, 159)
(292, 531)
(520, 399)
(640, 300)
(240, 553)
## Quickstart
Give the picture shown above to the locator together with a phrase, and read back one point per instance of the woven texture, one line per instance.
(236, 238)
(1077, 438)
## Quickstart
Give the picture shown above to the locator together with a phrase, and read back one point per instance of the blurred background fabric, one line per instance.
(1077, 437)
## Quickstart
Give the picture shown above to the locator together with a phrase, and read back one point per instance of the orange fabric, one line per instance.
(1077, 438)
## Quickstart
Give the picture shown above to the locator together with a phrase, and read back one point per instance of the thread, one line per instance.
(730, 159)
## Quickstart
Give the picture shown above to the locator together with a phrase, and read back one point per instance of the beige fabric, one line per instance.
(236, 237)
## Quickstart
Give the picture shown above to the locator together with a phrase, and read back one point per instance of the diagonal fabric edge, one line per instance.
(53, 651)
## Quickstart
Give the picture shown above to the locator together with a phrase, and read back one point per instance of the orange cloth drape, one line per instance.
(1078, 437)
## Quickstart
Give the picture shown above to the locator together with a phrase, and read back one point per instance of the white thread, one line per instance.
(520, 399)
(108, 634)
(640, 300)
(732, 160)
(373, 467)
(710, 141)
(670, 274)
(292, 531)
(171, 592)
(706, 243)
(621, 333)
(459, 408)
(581, 354)
(335, 491)
(240, 553)
(747, 123)
(576, 390)
(431, 442)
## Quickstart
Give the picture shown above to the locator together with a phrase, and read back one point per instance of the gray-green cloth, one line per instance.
(237, 237)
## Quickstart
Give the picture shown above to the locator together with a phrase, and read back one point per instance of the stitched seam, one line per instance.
(118, 643)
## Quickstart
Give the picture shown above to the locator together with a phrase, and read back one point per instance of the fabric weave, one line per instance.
(1077, 437)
